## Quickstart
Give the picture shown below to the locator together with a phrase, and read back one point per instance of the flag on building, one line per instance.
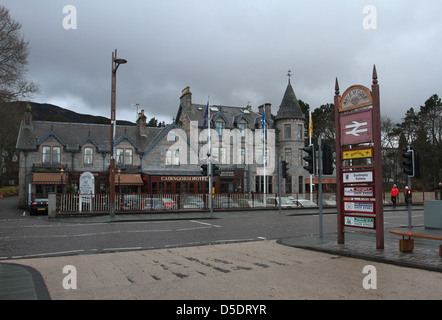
(263, 122)
(206, 114)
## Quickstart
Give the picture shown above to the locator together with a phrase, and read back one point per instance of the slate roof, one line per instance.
(74, 135)
(289, 108)
(231, 115)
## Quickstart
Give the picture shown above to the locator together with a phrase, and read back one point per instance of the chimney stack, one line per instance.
(268, 108)
(186, 97)
(28, 116)
(141, 124)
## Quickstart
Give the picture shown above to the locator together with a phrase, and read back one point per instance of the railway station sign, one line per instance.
(356, 96)
(357, 127)
(357, 177)
(359, 159)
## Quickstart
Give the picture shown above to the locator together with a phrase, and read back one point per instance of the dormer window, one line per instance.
(46, 155)
(242, 129)
(128, 159)
(219, 125)
(125, 156)
(56, 155)
(88, 156)
(51, 155)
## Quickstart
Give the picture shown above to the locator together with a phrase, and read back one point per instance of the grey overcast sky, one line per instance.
(237, 52)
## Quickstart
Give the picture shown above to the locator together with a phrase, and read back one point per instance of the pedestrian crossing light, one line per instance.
(310, 158)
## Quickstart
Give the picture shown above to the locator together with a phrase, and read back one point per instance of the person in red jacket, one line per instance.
(394, 194)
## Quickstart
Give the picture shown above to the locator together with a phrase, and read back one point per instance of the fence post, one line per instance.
(52, 205)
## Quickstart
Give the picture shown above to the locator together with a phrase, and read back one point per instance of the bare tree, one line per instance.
(14, 52)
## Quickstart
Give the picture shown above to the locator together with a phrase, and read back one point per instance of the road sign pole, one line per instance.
(320, 187)
(339, 189)
(378, 162)
(279, 183)
(409, 205)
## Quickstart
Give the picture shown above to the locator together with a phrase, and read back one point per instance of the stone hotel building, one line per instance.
(53, 155)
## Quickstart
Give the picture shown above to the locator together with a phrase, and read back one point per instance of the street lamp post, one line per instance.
(61, 183)
(115, 64)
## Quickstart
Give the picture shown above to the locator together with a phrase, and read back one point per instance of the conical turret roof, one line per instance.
(289, 108)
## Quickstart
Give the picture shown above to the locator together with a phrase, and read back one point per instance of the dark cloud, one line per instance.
(236, 52)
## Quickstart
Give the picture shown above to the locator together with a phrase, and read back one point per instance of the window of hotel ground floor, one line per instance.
(288, 184)
(259, 184)
(43, 190)
(157, 186)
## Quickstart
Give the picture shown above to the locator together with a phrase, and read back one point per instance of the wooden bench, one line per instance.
(407, 245)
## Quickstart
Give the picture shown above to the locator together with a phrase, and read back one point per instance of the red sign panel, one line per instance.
(357, 127)
(361, 192)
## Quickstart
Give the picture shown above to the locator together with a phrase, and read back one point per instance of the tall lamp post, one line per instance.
(115, 64)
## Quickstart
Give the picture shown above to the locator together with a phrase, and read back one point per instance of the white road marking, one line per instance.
(206, 224)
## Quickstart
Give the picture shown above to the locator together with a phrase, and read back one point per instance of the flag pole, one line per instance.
(264, 154)
(209, 160)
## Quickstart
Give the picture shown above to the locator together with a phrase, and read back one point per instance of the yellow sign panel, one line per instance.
(357, 153)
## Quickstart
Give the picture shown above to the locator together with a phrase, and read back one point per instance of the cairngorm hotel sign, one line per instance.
(183, 178)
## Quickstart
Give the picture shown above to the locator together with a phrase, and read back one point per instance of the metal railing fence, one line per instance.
(142, 202)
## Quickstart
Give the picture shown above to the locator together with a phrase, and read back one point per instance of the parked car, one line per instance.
(224, 202)
(129, 202)
(329, 201)
(191, 202)
(39, 206)
(153, 204)
(168, 203)
(249, 203)
(285, 202)
(305, 203)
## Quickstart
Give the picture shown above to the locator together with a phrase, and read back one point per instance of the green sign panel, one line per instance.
(359, 222)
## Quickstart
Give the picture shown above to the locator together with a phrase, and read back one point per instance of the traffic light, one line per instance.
(204, 170)
(327, 159)
(310, 158)
(411, 162)
(408, 161)
(215, 170)
(416, 163)
(408, 196)
(284, 169)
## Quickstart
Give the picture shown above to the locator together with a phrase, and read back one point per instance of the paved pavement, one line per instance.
(110, 276)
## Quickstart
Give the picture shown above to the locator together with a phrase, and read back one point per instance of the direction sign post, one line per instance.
(357, 122)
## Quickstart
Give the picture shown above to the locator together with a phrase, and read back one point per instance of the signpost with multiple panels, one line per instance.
(359, 160)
